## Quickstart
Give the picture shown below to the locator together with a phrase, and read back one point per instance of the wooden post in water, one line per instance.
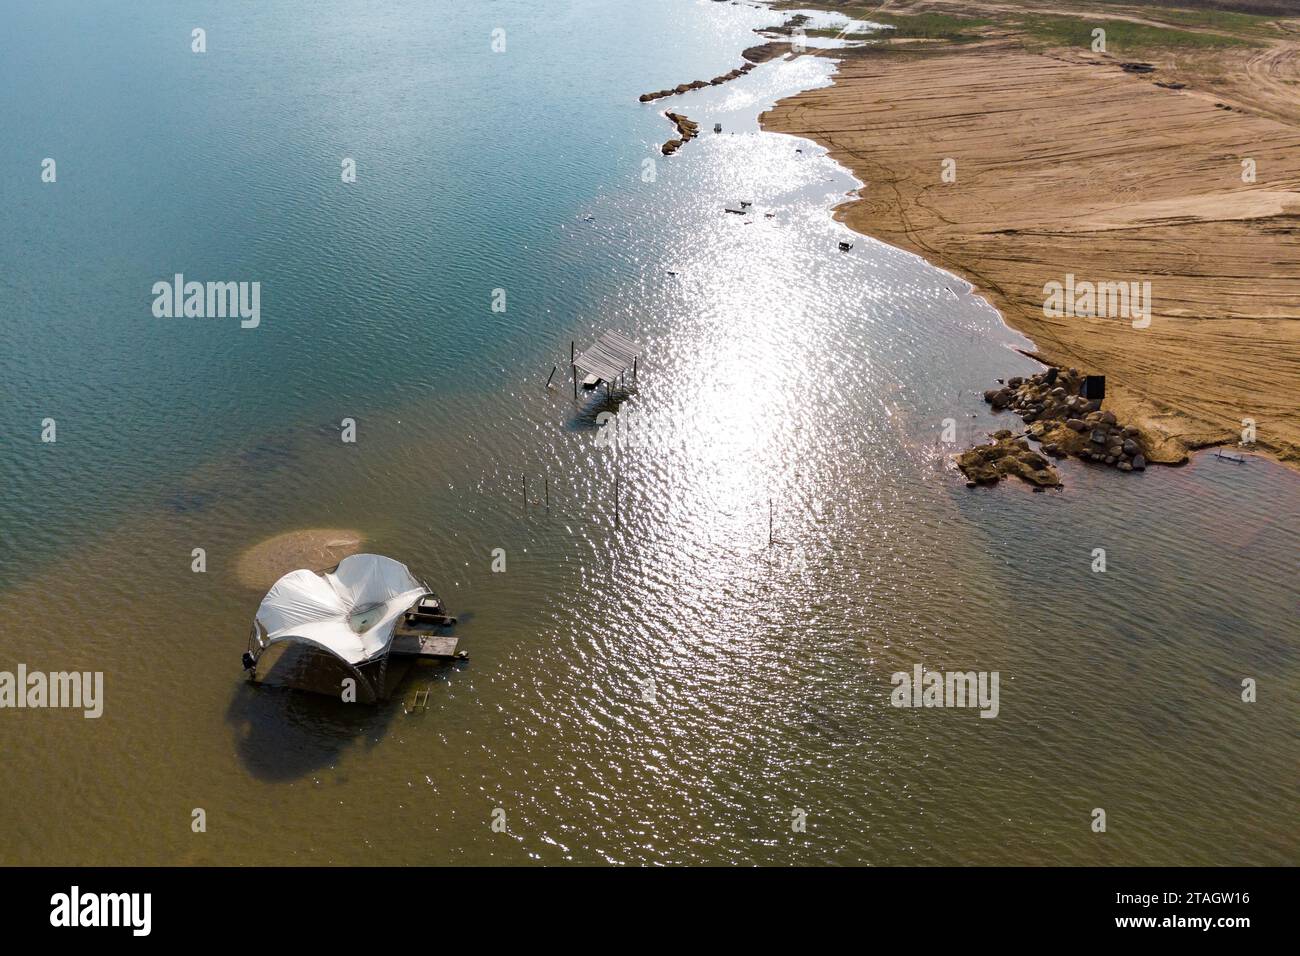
(573, 368)
(769, 522)
(547, 479)
(551, 376)
(525, 494)
(616, 496)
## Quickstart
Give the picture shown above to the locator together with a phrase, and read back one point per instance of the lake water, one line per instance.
(672, 688)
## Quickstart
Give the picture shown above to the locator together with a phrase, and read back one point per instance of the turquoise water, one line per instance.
(776, 370)
(220, 165)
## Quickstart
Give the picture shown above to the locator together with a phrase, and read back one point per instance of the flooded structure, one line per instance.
(608, 358)
(316, 629)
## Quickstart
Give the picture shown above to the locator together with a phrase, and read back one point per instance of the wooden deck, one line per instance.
(415, 644)
(609, 357)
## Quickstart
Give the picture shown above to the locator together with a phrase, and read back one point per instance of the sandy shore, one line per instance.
(1067, 163)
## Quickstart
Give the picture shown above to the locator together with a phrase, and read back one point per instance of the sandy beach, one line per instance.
(1173, 159)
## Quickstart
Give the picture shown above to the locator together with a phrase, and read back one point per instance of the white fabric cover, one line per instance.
(318, 609)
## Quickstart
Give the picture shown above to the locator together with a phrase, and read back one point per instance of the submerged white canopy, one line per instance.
(350, 612)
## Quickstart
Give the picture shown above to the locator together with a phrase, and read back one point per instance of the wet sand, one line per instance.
(1066, 163)
(312, 548)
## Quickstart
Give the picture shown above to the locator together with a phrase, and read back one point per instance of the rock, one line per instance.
(687, 130)
(1006, 456)
(1124, 466)
(1062, 421)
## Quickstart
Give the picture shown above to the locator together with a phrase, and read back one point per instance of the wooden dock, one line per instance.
(432, 646)
(606, 360)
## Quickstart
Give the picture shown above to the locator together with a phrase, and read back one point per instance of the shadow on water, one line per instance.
(295, 721)
(587, 416)
(284, 734)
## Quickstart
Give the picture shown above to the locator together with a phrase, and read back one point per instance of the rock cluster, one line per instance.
(765, 51)
(1005, 456)
(687, 130)
(697, 84)
(1068, 424)
(787, 28)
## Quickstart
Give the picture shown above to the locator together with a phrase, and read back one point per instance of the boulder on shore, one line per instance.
(1067, 423)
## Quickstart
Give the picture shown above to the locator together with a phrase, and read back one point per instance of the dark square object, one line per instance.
(1094, 387)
